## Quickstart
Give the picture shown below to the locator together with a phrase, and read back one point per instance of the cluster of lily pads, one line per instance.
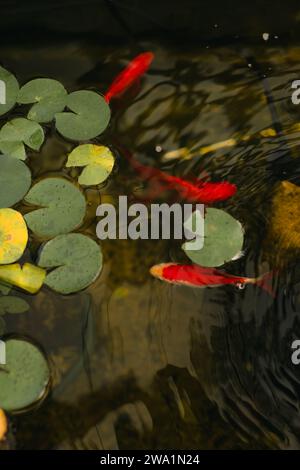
(55, 207)
(58, 205)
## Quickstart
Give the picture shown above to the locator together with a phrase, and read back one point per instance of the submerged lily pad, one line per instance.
(77, 259)
(49, 95)
(97, 159)
(223, 239)
(62, 207)
(10, 304)
(9, 90)
(13, 236)
(89, 117)
(25, 377)
(28, 277)
(15, 181)
(5, 289)
(17, 133)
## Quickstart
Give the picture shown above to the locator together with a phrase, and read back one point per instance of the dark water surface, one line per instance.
(139, 364)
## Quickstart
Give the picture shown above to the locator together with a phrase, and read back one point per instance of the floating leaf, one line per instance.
(13, 236)
(16, 133)
(89, 117)
(77, 259)
(9, 90)
(10, 304)
(223, 239)
(62, 207)
(49, 95)
(25, 377)
(28, 277)
(15, 181)
(97, 159)
(3, 425)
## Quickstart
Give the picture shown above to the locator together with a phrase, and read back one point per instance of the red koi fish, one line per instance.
(196, 191)
(200, 191)
(198, 276)
(135, 69)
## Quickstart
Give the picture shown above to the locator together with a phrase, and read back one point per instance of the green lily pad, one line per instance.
(223, 239)
(77, 259)
(9, 90)
(17, 133)
(15, 181)
(62, 207)
(49, 95)
(89, 117)
(10, 304)
(25, 377)
(97, 159)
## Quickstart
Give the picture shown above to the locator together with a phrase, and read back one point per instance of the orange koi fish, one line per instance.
(197, 276)
(135, 69)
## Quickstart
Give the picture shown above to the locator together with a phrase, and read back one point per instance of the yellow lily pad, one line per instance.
(3, 425)
(28, 277)
(13, 236)
(97, 160)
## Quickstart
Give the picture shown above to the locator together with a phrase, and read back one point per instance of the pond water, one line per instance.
(141, 364)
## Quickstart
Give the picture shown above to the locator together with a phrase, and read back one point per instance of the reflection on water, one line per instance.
(141, 364)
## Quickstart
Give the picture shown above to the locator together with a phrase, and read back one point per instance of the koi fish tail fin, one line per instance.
(266, 283)
(108, 96)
